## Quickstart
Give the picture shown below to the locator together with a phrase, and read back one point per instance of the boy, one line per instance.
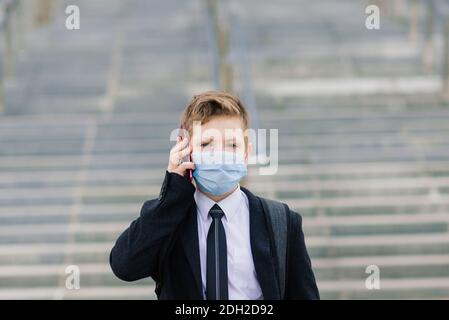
(209, 238)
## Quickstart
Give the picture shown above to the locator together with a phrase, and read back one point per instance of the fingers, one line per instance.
(175, 157)
(177, 153)
(180, 144)
(184, 152)
(182, 168)
(187, 166)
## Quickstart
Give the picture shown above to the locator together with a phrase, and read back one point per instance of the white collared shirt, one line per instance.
(242, 279)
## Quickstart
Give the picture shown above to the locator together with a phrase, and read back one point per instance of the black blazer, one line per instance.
(163, 244)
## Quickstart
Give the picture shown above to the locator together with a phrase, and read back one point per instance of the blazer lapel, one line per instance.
(264, 260)
(189, 240)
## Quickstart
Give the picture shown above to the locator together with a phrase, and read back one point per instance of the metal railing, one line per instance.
(16, 17)
(218, 26)
(427, 20)
(437, 15)
(8, 9)
(230, 67)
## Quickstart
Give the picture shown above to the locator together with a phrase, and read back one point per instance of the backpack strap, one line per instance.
(278, 215)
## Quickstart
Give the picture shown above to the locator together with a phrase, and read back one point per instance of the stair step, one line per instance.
(407, 288)
(96, 293)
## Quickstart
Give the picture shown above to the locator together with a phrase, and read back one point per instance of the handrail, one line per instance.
(442, 12)
(12, 13)
(437, 13)
(7, 9)
(220, 37)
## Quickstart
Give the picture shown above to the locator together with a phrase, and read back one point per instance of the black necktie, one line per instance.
(217, 258)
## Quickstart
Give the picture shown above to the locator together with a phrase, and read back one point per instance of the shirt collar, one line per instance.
(230, 205)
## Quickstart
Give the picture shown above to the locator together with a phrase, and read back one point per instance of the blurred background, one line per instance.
(363, 119)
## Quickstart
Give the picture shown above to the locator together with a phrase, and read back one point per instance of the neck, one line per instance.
(220, 197)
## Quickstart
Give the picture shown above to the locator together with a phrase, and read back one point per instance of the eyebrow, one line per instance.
(207, 139)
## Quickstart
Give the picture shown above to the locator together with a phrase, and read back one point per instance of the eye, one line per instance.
(232, 144)
(204, 144)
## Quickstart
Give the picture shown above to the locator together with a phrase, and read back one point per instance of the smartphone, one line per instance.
(188, 158)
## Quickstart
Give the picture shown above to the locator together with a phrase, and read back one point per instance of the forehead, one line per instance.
(223, 122)
(229, 125)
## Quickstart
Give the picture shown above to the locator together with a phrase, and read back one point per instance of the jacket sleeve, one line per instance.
(136, 251)
(301, 282)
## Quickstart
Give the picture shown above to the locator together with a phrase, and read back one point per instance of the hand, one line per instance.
(181, 149)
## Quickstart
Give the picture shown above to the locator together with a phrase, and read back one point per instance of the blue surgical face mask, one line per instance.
(218, 172)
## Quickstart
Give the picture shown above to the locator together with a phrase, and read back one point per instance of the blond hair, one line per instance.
(211, 104)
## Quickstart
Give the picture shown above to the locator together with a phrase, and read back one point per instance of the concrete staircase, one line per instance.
(85, 137)
(364, 160)
(84, 142)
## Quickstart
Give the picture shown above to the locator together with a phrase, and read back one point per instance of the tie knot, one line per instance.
(216, 212)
